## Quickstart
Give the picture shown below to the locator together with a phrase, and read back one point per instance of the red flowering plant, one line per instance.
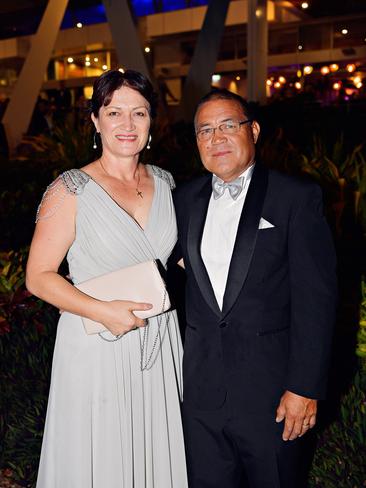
(27, 332)
(14, 298)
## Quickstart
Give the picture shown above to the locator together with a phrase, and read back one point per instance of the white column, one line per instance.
(24, 96)
(198, 81)
(125, 36)
(257, 47)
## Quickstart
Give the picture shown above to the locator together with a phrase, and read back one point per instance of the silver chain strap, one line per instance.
(143, 345)
(115, 338)
(148, 364)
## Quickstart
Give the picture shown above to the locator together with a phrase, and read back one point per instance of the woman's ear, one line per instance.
(95, 122)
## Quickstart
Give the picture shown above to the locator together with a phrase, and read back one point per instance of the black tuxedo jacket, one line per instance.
(274, 332)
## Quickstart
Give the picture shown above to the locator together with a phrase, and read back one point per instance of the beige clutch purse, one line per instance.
(139, 283)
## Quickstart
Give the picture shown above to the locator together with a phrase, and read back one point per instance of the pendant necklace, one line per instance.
(137, 190)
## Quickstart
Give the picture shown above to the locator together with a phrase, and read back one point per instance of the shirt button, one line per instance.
(222, 325)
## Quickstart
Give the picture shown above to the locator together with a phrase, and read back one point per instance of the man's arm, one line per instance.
(312, 268)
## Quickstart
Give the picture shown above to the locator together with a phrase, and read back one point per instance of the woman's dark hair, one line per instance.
(223, 94)
(112, 80)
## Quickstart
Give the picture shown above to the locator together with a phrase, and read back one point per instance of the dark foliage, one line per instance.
(27, 330)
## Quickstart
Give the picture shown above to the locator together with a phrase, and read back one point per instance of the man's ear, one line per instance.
(95, 122)
(255, 131)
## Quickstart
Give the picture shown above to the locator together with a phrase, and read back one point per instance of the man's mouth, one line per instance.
(218, 154)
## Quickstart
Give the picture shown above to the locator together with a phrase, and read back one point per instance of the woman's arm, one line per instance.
(53, 236)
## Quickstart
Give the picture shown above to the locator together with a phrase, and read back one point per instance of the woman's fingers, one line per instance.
(139, 323)
(136, 306)
(132, 306)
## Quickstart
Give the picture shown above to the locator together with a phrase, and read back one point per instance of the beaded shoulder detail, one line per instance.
(75, 180)
(71, 182)
(164, 175)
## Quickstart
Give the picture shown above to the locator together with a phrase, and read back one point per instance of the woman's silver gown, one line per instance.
(109, 424)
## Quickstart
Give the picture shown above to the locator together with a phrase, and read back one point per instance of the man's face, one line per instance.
(226, 155)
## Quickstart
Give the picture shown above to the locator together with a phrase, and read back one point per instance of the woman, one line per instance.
(113, 416)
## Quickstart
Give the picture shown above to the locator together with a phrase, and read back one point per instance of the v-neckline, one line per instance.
(123, 210)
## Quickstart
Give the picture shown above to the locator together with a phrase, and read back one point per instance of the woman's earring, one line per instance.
(95, 140)
(149, 142)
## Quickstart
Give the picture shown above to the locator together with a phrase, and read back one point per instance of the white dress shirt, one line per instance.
(219, 235)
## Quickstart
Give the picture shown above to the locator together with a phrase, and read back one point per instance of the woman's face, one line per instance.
(124, 124)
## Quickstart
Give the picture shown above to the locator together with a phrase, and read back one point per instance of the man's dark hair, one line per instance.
(112, 80)
(223, 94)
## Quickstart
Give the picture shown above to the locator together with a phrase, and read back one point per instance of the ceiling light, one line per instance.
(96, 60)
(70, 60)
(324, 70)
(344, 31)
(79, 25)
(304, 5)
(121, 70)
(282, 79)
(334, 67)
(104, 67)
(269, 82)
(336, 85)
(299, 47)
(87, 58)
(350, 67)
(277, 84)
(216, 78)
(298, 85)
(147, 49)
(87, 63)
(237, 78)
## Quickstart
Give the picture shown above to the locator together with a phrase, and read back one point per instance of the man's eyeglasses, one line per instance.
(224, 128)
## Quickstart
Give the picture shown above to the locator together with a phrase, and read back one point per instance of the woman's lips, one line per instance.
(128, 138)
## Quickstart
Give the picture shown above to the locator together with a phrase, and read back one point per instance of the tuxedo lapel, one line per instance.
(246, 237)
(195, 231)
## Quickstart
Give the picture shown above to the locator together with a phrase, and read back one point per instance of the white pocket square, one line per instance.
(264, 224)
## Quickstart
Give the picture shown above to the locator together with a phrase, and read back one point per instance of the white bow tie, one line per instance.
(235, 187)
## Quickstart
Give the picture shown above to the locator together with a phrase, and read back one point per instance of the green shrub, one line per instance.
(340, 456)
(69, 146)
(361, 335)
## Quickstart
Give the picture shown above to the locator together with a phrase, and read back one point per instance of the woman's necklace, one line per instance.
(137, 190)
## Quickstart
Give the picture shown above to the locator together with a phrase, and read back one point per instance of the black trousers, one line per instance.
(230, 448)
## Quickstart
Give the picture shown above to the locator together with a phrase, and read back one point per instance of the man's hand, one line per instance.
(299, 413)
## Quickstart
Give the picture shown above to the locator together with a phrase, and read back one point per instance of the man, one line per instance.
(260, 303)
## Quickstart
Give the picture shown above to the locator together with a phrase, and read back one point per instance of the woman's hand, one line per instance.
(118, 317)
